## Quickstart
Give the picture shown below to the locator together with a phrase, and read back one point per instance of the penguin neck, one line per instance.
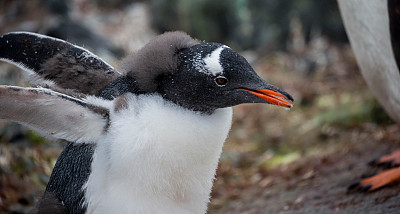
(127, 84)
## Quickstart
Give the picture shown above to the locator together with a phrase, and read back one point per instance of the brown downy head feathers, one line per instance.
(159, 56)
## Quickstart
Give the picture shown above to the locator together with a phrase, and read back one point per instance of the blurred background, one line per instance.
(275, 161)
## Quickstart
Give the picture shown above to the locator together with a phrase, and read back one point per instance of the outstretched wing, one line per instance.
(53, 113)
(57, 62)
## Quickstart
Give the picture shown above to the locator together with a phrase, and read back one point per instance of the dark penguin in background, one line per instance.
(144, 141)
(373, 28)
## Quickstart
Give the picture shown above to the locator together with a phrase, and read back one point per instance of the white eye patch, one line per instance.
(212, 62)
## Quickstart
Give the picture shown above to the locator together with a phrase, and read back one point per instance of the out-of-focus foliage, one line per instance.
(248, 24)
(115, 4)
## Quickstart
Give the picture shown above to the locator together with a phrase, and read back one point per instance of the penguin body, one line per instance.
(146, 140)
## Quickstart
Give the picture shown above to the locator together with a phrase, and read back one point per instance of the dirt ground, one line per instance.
(318, 184)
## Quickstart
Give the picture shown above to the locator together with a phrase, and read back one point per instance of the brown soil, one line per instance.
(318, 184)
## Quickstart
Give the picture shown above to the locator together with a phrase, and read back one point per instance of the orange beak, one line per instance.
(272, 97)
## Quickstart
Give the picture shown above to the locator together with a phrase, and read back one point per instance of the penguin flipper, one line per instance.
(57, 63)
(54, 114)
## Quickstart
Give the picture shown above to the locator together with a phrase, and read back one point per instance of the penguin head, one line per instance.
(201, 76)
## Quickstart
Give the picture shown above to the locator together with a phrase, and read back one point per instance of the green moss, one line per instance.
(351, 114)
(281, 159)
(36, 139)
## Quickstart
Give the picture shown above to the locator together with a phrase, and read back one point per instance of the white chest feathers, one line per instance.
(156, 158)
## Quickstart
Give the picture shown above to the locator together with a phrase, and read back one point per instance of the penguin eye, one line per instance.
(221, 81)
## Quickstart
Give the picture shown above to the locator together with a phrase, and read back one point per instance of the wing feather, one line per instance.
(54, 61)
(54, 114)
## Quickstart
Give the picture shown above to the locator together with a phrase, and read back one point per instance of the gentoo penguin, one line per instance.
(373, 28)
(146, 140)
